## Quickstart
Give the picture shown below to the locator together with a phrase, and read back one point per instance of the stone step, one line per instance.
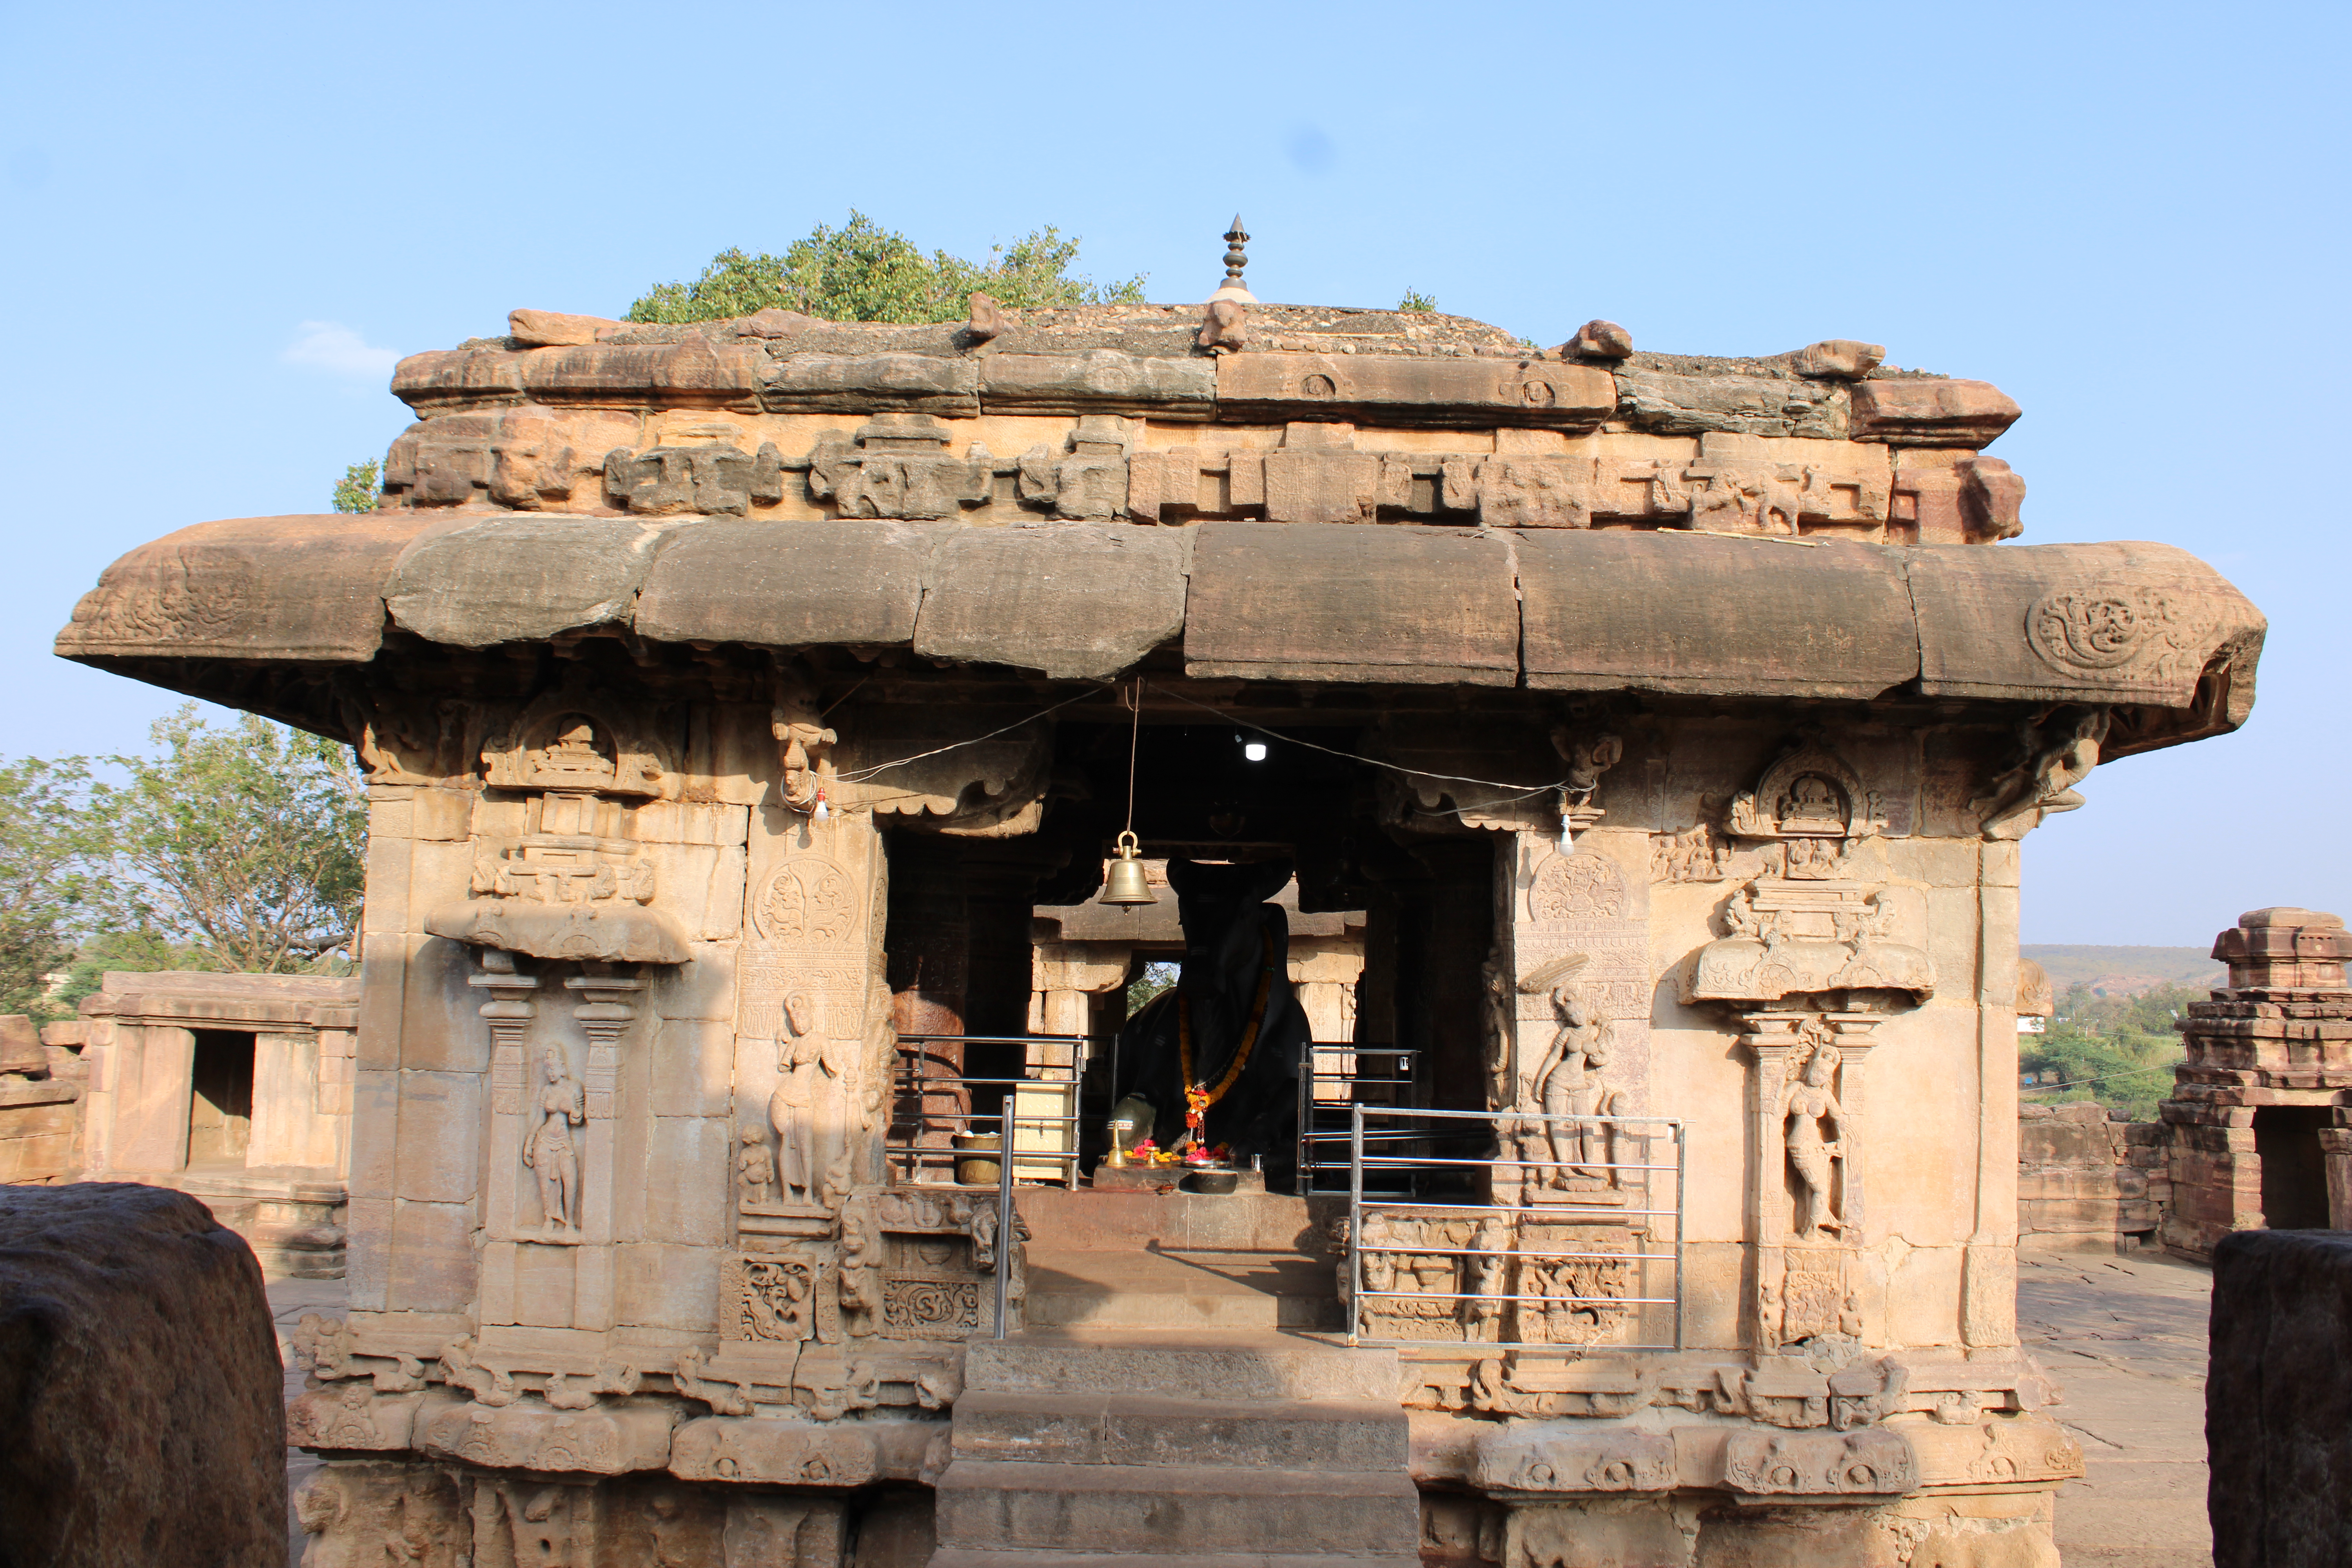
(1180, 1289)
(1229, 1368)
(1162, 1509)
(1129, 1430)
(1022, 1557)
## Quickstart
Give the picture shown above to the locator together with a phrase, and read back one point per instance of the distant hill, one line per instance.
(2122, 971)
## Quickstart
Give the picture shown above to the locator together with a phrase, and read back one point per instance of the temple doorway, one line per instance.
(2294, 1169)
(220, 1100)
(1004, 967)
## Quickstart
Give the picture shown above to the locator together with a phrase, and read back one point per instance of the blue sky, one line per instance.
(227, 222)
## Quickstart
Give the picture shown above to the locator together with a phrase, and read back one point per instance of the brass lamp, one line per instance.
(1127, 883)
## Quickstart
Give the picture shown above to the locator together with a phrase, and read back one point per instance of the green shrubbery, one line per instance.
(864, 273)
(2117, 1050)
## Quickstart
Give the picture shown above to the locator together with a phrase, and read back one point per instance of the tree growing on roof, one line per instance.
(864, 273)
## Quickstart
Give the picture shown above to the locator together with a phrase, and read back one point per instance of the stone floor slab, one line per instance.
(2125, 1339)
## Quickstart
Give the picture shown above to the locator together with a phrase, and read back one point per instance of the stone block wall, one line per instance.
(42, 1078)
(2086, 1183)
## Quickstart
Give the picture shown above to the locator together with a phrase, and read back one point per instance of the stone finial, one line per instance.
(1598, 339)
(2285, 950)
(1236, 258)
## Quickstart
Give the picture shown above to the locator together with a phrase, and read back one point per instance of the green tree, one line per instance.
(48, 895)
(2118, 1051)
(1156, 977)
(864, 273)
(361, 487)
(1419, 303)
(242, 846)
(136, 950)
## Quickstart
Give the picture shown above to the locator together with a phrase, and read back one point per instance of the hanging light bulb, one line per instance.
(1127, 883)
(1567, 824)
(821, 811)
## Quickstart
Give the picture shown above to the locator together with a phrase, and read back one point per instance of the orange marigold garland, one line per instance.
(1198, 1097)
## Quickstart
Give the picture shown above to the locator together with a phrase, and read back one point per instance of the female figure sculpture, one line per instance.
(797, 1108)
(1805, 1106)
(1568, 1080)
(549, 1152)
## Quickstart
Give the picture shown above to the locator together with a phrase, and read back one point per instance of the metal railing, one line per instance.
(1578, 1190)
(919, 1089)
(1329, 1083)
(932, 1105)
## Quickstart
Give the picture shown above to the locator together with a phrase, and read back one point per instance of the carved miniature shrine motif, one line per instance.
(1806, 925)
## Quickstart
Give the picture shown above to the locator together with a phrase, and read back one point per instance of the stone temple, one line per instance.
(1632, 748)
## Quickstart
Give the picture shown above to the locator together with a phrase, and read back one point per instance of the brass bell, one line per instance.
(1126, 883)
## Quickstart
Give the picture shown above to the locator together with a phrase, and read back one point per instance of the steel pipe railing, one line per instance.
(1492, 1267)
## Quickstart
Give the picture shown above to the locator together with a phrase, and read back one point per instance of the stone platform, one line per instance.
(290, 1216)
(1129, 1259)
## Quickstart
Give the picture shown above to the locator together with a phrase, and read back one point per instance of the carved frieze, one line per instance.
(1087, 480)
(526, 458)
(1872, 1463)
(1535, 1461)
(774, 1451)
(779, 1298)
(897, 465)
(529, 1436)
(708, 476)
(2126, 630)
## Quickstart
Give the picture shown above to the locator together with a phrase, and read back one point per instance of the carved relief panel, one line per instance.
(1582, 901)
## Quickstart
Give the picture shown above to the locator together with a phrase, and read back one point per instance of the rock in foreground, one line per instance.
(140, 1386)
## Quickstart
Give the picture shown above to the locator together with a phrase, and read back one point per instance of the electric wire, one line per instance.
(2081, 1082)
(1525, 790)
(1518, 791)
(862, 775)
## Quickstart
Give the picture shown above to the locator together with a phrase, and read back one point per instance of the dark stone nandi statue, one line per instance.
(1230, 1019)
